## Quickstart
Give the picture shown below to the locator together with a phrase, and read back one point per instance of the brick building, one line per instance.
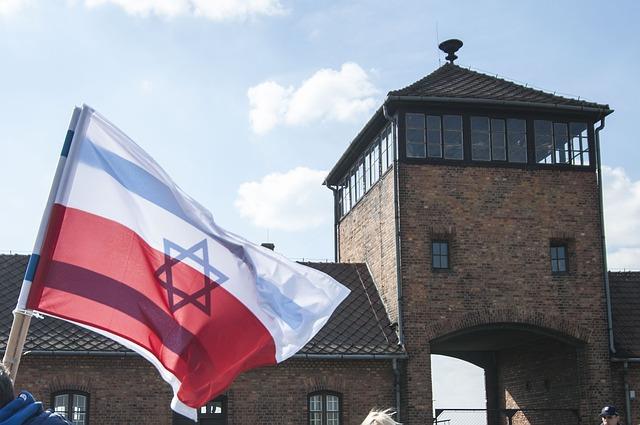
(469, 224)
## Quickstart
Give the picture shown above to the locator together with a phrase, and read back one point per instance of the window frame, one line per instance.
(587, 141)
(447, 243)
(324, 394)
(565, 246)
(70, 393)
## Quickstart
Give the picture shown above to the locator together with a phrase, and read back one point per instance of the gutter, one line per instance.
(81, 353)
(54, 353)
(350, 356)
(605, 271)
(600, 111)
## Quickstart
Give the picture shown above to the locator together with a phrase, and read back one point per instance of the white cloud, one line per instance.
(215, 10)
(342, 95)
(622, 218)
(9, 7)
(291, 201)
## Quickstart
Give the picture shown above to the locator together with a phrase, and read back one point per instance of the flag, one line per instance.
(129, 255)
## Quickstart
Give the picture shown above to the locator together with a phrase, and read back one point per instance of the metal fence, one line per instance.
(506, 417)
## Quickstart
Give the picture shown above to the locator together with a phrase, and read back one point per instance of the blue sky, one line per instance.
(247, 104)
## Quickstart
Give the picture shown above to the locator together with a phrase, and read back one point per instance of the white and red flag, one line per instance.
(129, 255)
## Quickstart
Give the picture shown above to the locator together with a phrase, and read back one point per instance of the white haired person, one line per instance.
(380, 417)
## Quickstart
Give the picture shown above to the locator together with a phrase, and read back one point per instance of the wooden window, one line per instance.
(452, 136)
(517, 140)
(561, 142)
(324, 408)
(558, 254)
(74, 405)
(416, 147)
(440, 254)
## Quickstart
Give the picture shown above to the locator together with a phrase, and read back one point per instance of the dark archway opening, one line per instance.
(529, 369)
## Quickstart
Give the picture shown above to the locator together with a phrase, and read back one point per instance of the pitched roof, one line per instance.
(360, 325)
(625, 308)
(451, 81)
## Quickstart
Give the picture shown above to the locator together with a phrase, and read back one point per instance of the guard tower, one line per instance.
(476, 204)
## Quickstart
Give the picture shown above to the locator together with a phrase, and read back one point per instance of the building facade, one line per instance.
(468, 224)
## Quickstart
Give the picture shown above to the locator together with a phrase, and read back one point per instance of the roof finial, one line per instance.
(450, 47)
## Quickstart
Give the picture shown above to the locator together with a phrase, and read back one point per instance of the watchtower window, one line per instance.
(558, 258)
(452, 136)
(440, 254)
(416, 147)
(517, 140)
(488, 139)
(561, 143)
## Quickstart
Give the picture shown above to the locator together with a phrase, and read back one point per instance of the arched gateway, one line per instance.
(476, 204)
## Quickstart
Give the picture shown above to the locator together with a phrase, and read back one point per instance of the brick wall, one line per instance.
(618, 397)
(367, 234)
(128, 390)
(500, 223)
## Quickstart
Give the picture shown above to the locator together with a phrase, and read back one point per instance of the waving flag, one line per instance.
(129, 255)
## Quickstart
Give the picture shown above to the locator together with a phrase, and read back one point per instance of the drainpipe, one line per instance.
(396, 387)
(605, 271)
(396, 191)
(336, 213)
(627, 396)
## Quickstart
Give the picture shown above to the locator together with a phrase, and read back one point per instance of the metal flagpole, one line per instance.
(22, 316)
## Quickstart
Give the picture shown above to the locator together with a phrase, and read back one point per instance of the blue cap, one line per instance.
(609, 411)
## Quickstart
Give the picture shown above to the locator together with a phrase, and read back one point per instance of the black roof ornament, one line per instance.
(450, 47)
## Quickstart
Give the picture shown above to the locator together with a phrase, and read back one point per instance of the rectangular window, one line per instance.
(383, 154)
(367, 171)
(558, 258)
(498, 140)
(488, 139)
(517, 140)
(561, 143)
(360, 181)
(434, 136)
(579, 143)
(390, 145)
(375, 161)
(544, 141)
(440, 254)
(315, 410)
(415, 136)
(480, 139)
(452, 125)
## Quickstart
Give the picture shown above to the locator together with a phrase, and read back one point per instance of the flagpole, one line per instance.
(22, 316)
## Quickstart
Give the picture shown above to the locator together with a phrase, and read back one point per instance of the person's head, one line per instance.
(6, 386)
(609, 415)
(380, 417)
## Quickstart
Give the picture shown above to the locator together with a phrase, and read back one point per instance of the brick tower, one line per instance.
(476, 204)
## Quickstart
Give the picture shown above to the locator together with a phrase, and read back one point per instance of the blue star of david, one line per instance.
(212, 277)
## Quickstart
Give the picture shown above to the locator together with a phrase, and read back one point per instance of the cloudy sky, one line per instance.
(248, 103)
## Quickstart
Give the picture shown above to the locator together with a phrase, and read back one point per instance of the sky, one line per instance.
(248, 103)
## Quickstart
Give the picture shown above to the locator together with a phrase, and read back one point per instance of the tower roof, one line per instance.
(455, 82)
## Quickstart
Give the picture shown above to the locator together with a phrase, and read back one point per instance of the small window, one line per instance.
(324, 408)
(440, 254)
(74, 405)
(415, 136)
(558, 258)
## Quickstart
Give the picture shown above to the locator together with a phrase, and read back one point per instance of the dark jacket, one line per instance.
(25, 410)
